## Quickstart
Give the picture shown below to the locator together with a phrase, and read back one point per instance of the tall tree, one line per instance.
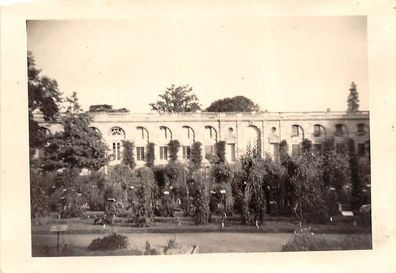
(177, 99)
(353, 99)
(235, 104)
(78, 145)
(43, 96)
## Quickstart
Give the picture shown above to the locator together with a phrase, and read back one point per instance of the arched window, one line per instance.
(117, 135)
(165, 137)
(253, 138)
(210, 141)
(297, 131)
(187, 139)
(319, 130)
(340, 130)
(361, 129)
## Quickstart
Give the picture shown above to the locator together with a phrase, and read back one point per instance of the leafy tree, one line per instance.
(196, 156)
(143, 203)
(73, 106)
(198, 183)
(173, 146)
(235, 104)
(356, 201)
(105, 108)
(287, 189)
(128, 157)
(77, 146)
(222, 176)
(353, 99)
(310, 205)
(150, 155)
(43, 96)
(177, 99)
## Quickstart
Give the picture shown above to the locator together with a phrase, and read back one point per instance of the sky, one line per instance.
(281, 63)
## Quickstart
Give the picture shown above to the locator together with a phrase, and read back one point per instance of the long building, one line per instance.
(239, 131)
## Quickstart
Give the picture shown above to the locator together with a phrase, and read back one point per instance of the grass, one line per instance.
(306, 240)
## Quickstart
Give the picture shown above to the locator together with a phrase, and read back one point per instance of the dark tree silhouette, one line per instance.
(235, 104)
(353, 99)
(177, 99)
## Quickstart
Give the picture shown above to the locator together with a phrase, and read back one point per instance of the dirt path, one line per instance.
(208, 242)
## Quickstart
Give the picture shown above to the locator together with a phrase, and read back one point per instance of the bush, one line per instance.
(111, 242)
(198, 185)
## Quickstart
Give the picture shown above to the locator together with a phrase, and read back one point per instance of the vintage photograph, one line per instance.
(163, 136)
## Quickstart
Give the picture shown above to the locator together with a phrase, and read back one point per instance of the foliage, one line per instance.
(198, 183)
(176, 177)
(128, 154)
(196, 156)
(365, 179)
(110, 242)
(117, 186)
(306, 146)
(235, 104)
(356, 201)
(173, 146)
(177, 99)
(353, 99)
(150, 155)
(310, 203)
(220, 151)
(143, 197)
(66, 193)
(78, 146)
(150, 250)
(336, 172)
(40, 184)
(72, 104)
(105, 108)
(305, 240)
(43, 95)
(222, 175)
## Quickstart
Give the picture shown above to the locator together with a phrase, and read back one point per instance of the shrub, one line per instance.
(173, 146)
(150, 250)
(150, 155)
(142, 201)
(128, 156)
(196, 156)
(111, 242)
(198, 185)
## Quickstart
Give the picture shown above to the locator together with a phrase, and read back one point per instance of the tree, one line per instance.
(173, 146)
(128, 157)
(235, 104)
(177, 99)
(105, 108)
(310, 204)
(150, 155)
(196, 155)
(353, 99)
(77, 146)
(356, 201)
(43, 96)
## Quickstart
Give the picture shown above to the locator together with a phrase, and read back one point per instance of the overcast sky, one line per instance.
(281, 63)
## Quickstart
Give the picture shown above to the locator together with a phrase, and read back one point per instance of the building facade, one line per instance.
(238, 130)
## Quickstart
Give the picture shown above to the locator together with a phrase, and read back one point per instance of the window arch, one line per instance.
(319, 130)
(253, 138)
(166, 133)
(117, 135)
(297, 131)
(362, 129)
(341, 130)
(142, 135)
(211, 133)
(189, 133)
(117, 131)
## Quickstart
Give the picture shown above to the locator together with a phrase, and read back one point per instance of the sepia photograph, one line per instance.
(188, 136)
